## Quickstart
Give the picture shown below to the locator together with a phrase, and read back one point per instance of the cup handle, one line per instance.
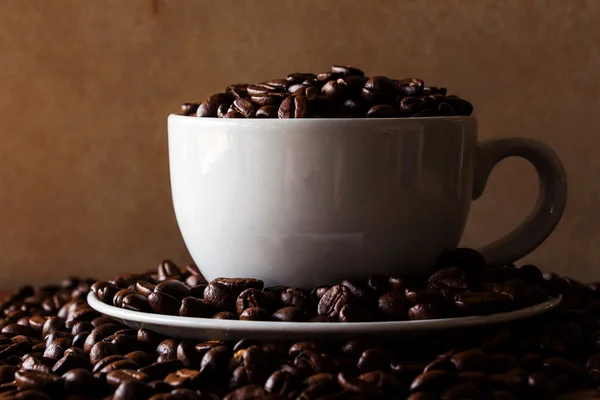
(550, 204)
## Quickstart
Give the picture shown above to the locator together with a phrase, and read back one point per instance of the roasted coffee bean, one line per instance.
(101, 350)
(163, 303)
(167, 350)
(393, 306)
(149, 339)
(144, 288)
(198, 290)
(189, 108)
(195, 280)
(355, 313)
(244, 107)
(479, 303)
(136, 302)
(215, 362)
(296, 298)
(470, 360)
(253, 298)
(333, 300)
(208, 108)
(131, 390)
(193, 307)
(174, 288)
(79, 381)
(293, 107)
(382, 111)
(290, 314)
(346, 70)
(186, 352)
(71, 361)
(115, 378)
(225, 315)
(56, 349)
(48, 383)
(268, 111)
(429, 311)
(255, 314)
(435, 381)
(373, 360)
(410, 87)
(167, 269)
(220, 296)
(141, 358)
(160, 370)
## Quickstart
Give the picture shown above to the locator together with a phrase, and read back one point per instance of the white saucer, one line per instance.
(218, 329)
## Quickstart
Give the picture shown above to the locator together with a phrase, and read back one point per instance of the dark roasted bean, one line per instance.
(193, 307)
(293, 107)
(162, 303)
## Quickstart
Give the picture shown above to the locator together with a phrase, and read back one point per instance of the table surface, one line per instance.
(585, 394)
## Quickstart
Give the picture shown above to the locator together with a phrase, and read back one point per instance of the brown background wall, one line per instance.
(85, 88)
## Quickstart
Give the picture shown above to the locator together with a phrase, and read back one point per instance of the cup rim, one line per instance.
(283, 121)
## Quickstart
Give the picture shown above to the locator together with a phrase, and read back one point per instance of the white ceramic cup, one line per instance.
(312, 201)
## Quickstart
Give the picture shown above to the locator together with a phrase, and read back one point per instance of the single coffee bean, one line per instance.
(225, 315)
(194, 280)
(382, 111)
(136, 302)
(186, 352)
(189, 108)
(393, 306)
(163, 303)
(470, 360)
(79, 381)
(132, 389)
(373, 360)
(174, 288)
(222, 110)
(335, 89)
(435, 381)
(355, 313)
(115, 378)
(429, 311)
(255, 314)
(141, 358)
(441, 364)
(101, 350)
(160, 370)
(351, 383)
(49, 383)
(193, 307)
(150, 340)
(56, 349)
(293, 107)
(118, 298)
(99, 365)
(410, 87)
(215, 362)
(198, 290)
(71, 361)
(253, 298)
(346, 70)
(167, 269)
(397, 284)
(541, 385)
(462, 391)
(144, 288)
(244, 107)
(480, 303)
(268, 111)
(293, 297)
(333, 300)
(220, 296)
(167, 350)
(290, 314)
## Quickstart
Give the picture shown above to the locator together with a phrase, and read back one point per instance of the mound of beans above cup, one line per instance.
(53, 345)
(462, 285)
(342, 92)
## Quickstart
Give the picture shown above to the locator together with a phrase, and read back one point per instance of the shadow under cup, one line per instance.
(309, 202)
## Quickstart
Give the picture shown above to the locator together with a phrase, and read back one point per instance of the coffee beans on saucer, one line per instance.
(459, 287)
(342, 92)
(54, 346)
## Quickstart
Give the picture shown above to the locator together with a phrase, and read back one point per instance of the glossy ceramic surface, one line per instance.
(306, 202)
(216, 329)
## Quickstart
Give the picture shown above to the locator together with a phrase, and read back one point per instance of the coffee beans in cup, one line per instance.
(342, 92)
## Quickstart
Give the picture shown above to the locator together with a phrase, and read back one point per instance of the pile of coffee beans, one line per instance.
(54, 346)
(342, 92)
(463, 285)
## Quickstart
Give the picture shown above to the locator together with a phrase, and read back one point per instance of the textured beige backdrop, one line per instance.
(86, 86)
